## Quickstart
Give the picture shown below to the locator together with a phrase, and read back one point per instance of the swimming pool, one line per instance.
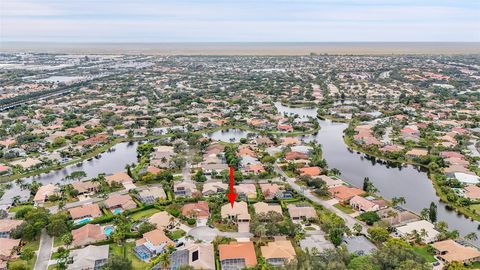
(108, 230)
(117, 211)
(83, 221)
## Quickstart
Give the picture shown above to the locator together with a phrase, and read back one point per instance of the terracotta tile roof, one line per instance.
(124, 201)
(310, 171)
(234, 250)
(278, 249)
(200, 209)
(6, 247)
(160, 219)
(6, 225)
(454, 252)
(295, 155)
(92, 210)
(118, 177)
(345, 193)
(87, 234)
(157, 237)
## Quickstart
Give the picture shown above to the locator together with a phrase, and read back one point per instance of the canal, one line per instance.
(406, 181)
(109, 162)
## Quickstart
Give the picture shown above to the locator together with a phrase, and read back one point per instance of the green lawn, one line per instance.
(30, 263)
(127, 250)
(177, 234)
(16, 208)
(145, 213)
(343, 208)
(423, 251)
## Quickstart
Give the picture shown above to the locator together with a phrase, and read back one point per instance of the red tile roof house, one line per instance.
(236, 256)
(8, 248)
(119, 203)
(87, 234)
(285, 128)
(269, 190)
(5, 170)
(152, 244)
(253, 168)
(361, 204)
(295, 155)
(310, 171)
(344, 193)
(84, 187)
(85, 213)
(120, 178)
(44, 192)
(7, 225)
(198, 210)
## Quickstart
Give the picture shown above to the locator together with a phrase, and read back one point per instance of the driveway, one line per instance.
(349, 221)
(204, 233)
(208, 234)
(44, 251)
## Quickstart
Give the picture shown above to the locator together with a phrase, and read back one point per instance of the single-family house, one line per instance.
(84, 213)
(118, 203)
(87, 234)
(184, 188)
(152, 244)
(151, 195)
(89, 258)
(44, 192)
(301, 212)
(196, 255)
(410, 230)
(450, 251)
(278, 252)
(237, 255)
(7, 226)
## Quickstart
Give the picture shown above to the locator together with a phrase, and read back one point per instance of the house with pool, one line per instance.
(119, 203)
(88, 234)
(152, 244)
(84, 213)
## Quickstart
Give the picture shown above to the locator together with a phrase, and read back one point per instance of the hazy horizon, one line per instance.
(244, 48)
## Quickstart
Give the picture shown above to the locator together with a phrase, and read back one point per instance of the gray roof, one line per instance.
(86, 257)
(359, 245)
(317, 241)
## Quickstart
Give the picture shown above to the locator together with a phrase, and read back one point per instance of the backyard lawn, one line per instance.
(424, 252)
(345, 209)
(127, 250)
(177, 234)
(144, 213)
(30, 263)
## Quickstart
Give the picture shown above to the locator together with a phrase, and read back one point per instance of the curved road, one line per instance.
(349, 221)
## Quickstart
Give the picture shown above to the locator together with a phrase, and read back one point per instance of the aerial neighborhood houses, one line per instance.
(131, 164)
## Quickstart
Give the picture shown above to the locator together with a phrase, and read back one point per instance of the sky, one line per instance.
(239, 20)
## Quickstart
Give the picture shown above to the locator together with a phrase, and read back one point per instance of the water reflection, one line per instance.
(109, 162)
(392, 180)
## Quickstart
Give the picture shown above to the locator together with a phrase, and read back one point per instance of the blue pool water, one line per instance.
(108, 230)
(83, 221)
(117, 211)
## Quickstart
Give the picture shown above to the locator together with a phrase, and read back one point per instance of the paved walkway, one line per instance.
(44, 251)
(349, 221)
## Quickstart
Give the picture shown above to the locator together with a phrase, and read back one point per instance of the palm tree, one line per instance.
(165, 261)
(442, 226)
(471, 236)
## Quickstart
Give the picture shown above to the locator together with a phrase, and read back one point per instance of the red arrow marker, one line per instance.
(232, 195)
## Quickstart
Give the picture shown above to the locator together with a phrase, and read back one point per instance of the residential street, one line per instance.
(44, 251)
(349, 221)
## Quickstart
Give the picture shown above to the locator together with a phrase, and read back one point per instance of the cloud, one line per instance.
(239, 20)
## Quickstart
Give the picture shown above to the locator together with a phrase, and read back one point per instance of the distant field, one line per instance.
(357, 48)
